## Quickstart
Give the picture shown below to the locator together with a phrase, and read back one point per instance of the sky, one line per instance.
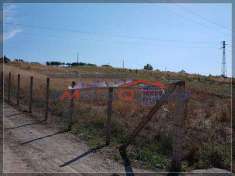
(170, 37)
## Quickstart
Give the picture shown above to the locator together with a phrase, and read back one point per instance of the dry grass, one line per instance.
(209, 103)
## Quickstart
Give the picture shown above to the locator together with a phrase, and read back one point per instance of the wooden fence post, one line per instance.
(2, 78)
(146, 118)
(18, 90)
(180, 113)
(9, 88)
(2, 85)
(47, 98)
(109, 114)
(225, 140)
(30, 94)
(71, 106)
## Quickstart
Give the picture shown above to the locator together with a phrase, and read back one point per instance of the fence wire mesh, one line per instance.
(206, 141)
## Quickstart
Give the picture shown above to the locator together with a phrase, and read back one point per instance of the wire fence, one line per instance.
(111, 115)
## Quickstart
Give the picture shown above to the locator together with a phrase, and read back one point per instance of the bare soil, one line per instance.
(47, 154)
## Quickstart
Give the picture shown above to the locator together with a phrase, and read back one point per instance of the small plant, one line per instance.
(213, 157)
(148, 67)
(91, 132)
(151, 158)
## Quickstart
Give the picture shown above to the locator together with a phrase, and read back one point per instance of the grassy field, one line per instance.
(207, 124)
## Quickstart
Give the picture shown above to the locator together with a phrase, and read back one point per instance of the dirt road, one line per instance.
(47, 154)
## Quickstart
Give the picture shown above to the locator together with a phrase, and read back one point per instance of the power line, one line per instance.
(114, 35)
(192, 20)
(205, 19)
(55, 37)
(118, 42)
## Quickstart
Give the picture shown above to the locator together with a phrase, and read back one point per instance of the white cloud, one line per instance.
(10, 34)
(9, 16)
(9, 12)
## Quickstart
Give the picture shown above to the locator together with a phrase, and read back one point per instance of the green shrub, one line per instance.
(213, 157)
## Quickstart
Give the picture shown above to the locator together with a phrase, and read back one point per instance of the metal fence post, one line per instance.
(9, 87)
(109, 114)
(30, 94)
(47, 98)
(18, 90)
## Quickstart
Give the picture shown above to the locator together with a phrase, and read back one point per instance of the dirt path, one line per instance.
(46, 155)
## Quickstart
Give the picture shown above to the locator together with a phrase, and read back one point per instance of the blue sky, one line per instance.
(167, 36)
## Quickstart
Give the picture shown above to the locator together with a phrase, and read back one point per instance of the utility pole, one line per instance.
(223, 69)
(123, 66)
(77, 57)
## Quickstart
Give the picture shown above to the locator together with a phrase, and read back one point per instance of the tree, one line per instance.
(148, 67)
(78, 64)
(37, 63)
(182, 71)
(56, 63)
(91, 65)
(5, 59)
(68, 64)
(106, 66)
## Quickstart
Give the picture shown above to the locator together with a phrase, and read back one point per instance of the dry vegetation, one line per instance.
(208, 130)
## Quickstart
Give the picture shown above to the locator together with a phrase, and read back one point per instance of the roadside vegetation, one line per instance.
(207, 138)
